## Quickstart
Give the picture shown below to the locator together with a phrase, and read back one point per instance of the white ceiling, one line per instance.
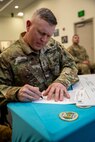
(7, 7)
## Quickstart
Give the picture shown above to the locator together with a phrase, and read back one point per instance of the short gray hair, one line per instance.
(47, 15)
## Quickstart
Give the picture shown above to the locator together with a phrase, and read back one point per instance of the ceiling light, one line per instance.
(16, 6)
(20, 14)
(1, 0)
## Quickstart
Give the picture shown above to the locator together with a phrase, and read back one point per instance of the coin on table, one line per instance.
(68, 116)
(80, 106)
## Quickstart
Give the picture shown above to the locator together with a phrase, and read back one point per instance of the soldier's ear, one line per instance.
(28, 24)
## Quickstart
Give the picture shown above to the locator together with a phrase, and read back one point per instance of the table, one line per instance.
(35, 122)
(41, 123)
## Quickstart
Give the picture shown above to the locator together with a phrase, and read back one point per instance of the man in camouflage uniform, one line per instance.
(37, 63)
(80, 56)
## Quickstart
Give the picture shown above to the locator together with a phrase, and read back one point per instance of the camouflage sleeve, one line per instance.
(69, 71)
(77, 60)
(86, 55)
(70, 50)
(6, 79)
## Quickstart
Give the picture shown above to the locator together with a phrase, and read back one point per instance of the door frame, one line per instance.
(81, 24)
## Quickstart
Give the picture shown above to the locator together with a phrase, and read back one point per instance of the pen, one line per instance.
(38, 95)
(41, 97)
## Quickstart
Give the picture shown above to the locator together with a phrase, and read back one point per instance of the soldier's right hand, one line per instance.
(28, 93)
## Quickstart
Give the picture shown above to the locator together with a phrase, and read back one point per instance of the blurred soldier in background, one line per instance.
(80, 56)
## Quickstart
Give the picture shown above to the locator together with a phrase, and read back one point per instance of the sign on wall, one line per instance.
(64, 39)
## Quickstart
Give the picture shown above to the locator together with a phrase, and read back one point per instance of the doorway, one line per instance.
(85, 31)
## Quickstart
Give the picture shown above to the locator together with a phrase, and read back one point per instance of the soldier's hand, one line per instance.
(86, 62)
(28, 93)
(56, 91)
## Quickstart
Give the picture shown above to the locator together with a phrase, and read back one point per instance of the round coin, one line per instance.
(68, 116)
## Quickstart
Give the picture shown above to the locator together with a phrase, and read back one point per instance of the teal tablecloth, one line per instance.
(41, 123)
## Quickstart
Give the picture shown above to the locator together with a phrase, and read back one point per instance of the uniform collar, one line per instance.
(28, 50)
(25, 47)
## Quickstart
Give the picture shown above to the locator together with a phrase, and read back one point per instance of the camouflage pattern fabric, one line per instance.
(20, 65)
(83, 68)
(5, 133)
(79, 53)
(92, 68)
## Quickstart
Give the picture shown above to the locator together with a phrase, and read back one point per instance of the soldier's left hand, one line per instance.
(56, 91)
(86, 62)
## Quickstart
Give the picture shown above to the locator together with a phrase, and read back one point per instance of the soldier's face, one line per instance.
(75, 39)
(39, 33)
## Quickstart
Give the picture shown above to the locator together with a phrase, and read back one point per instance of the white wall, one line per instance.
(10, 28)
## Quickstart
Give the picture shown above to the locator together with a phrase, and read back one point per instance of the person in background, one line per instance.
(80, 56)
(37, 63)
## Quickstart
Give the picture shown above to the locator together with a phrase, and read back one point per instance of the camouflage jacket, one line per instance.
(20, 65)
(78, 52)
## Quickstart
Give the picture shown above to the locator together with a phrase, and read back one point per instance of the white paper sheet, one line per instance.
(72, 99)
(86, 90)
(83, 93)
